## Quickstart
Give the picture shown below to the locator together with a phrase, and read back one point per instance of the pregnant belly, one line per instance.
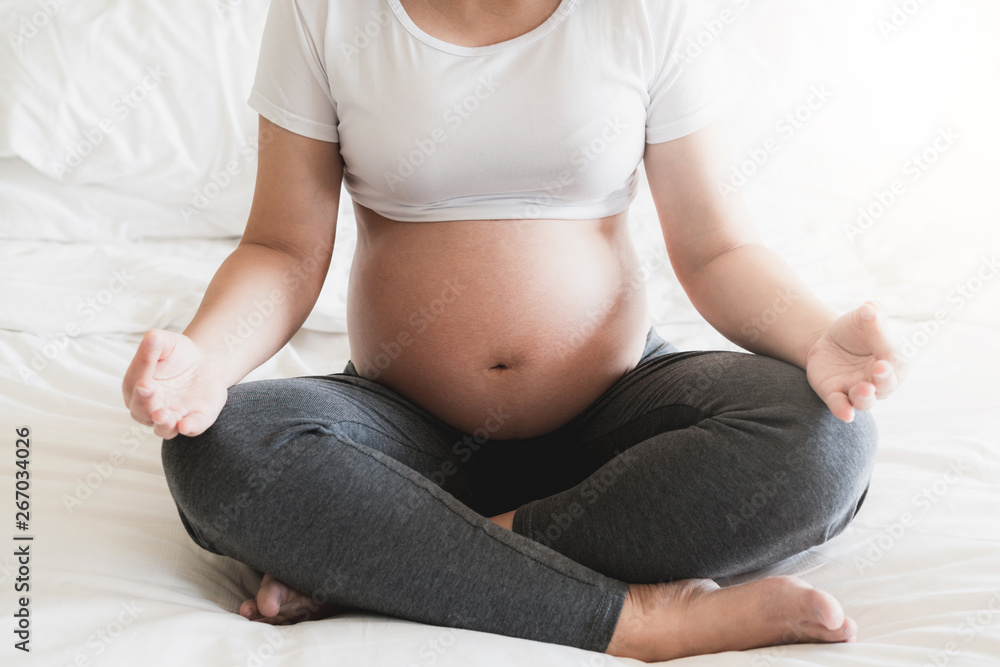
(505, 329)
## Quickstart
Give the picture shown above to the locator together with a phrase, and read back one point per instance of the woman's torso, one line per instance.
(502, 327)
(510, 327)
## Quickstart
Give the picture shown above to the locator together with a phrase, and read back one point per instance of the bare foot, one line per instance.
(696, 617)
(279, 604)
(505, 520)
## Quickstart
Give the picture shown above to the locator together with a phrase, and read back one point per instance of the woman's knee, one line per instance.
(829, 465)
(194, 473)
(820, 464)
(258, 419)
(215, 476)
(193, 460)
(809, 430)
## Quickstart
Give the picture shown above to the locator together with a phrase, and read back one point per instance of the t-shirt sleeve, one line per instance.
(691, 85)
(291, 88)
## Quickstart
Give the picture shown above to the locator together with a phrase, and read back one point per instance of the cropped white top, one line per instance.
(551, 124)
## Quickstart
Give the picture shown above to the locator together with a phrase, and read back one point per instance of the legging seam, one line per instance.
(601, 612)
(601, 617)
(626, 381)
(386, 435)
(382, 392)
(605, 606)
(362, 450)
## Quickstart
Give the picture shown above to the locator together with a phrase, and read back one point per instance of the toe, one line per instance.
(249, 609)
(827, 610)
(271, 596)
(850, 630)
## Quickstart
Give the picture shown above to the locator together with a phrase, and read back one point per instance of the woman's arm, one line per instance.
(748, 292)
(258, 298)
(265, 290)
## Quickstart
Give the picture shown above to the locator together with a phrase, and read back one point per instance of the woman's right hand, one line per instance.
(173, 386)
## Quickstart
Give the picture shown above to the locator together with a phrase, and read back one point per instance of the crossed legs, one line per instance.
(693, 466)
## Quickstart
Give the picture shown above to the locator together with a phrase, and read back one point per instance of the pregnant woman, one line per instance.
(512, 449)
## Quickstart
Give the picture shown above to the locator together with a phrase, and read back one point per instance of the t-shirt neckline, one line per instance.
(563, 10)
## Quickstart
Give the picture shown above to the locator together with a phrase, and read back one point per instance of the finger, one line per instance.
(884, 378)
(193, 423)
(164, 423)
(140, 414)
(876, 332)
(145, 395)
(840, 406)
(143, 364)
(862, 395)
(165, 432)
(142, 406)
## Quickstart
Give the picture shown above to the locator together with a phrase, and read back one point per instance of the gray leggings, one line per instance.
(694, 464)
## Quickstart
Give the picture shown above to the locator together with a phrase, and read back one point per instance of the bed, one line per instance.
(865, 145)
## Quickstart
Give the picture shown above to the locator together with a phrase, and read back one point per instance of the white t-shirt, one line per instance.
(551, 124)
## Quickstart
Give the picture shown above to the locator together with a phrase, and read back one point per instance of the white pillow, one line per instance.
(35, 207)
(143, 98)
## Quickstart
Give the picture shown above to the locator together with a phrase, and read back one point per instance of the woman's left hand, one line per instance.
(853, 363)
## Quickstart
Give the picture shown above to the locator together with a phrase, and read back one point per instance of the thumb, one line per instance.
(873, 326)
(139, 375)
(194, 423)
(840, 406)
(150, 351)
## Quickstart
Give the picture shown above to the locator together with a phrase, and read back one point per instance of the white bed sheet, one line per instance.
(115, 579)
(110, 555)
